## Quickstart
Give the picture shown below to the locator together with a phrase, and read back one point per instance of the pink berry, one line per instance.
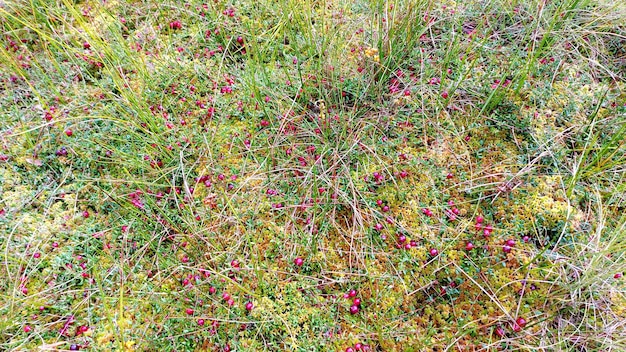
(521, 322)
(526, 239)
(358, 346)
(212, 290)
(506, 249)
(298, 261)
(85, 214)
(68, 132)
(357, 302)
(27, 328)
(499, 331)
(479, 219)
(469, 246)
(349, 349)
(225, 296)
(200, 322)
(617, 276)
(36, 255)
(189, 311)
(249, 306)
(352, 293)
(354, 309)
(444, 94)
(510, 243)
(434, 252)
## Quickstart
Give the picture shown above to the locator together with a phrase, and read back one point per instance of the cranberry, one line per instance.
(354, 309)
(617, 276)
(298, 261)
(352, 293)
(434, 252)
(189, 311)
(521, 322)
(200, 322)
(357, 302)
(68, 132)
(479, 219)
(249, 306)
(225, 296)
(506, 249)
(469, 246)
(27, 328)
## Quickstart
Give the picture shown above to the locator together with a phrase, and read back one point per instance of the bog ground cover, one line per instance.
(312, 175)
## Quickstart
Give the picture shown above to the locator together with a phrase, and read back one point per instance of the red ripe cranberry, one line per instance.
(521, 322)
(444, 94)
(357, 302)
(617, 276)
(469, 246)
(526, 239)
(240, 40)
(212, 290)
(249, 306)
(354, 309)
(27, 328)
(434, 252)
(499, 332)
(506, 249)
(200, 322)
(298, 261)
(349, 349)
(189, 311)
(479, 219)
(510, 243)
(68, 132)
(352, 293)
(358, 346)
(234, 263)
(225, 296)
(85, 214)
